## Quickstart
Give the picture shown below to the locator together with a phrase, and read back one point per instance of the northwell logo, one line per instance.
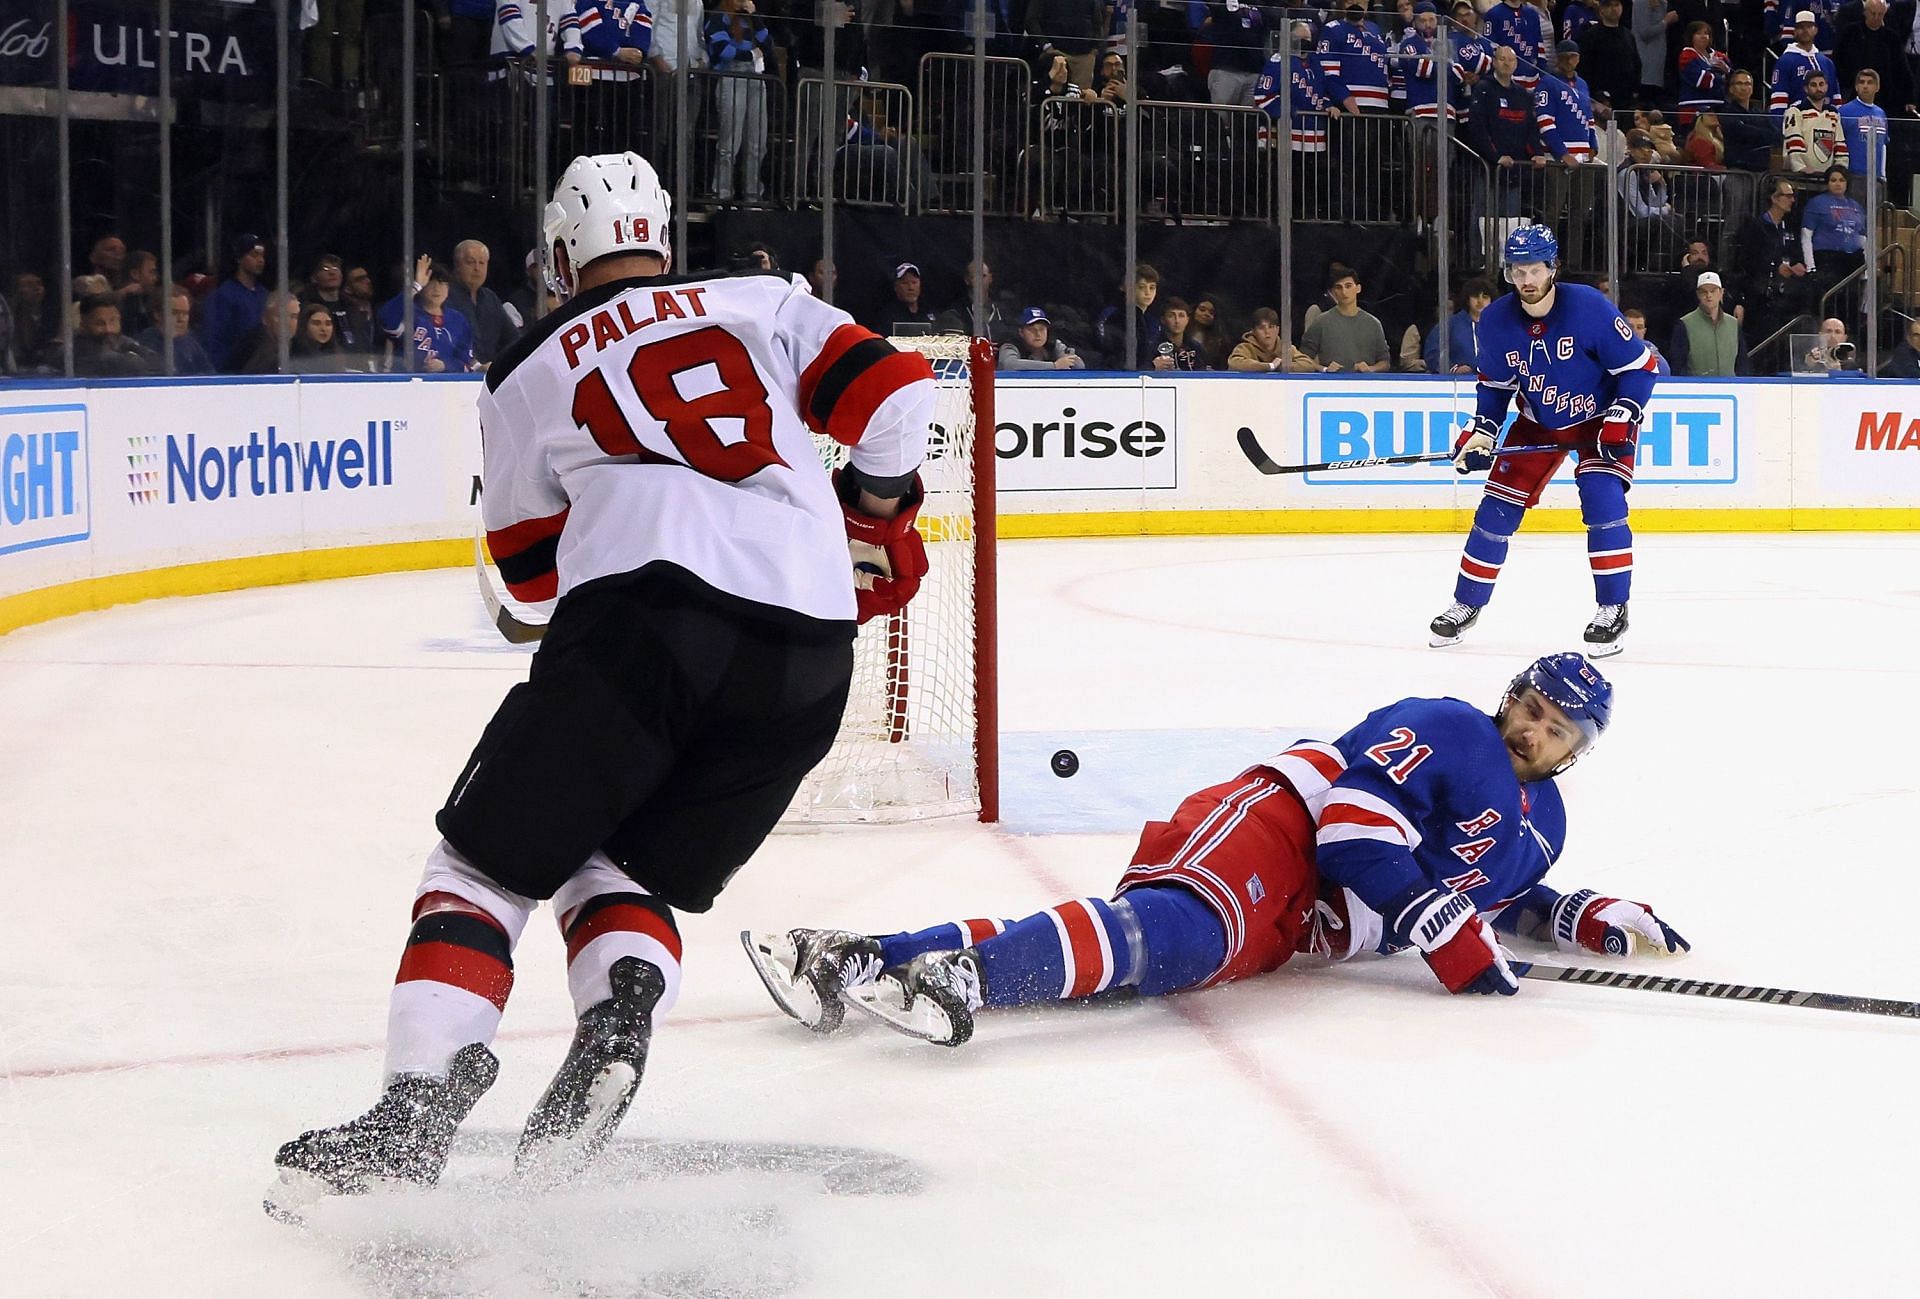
(261, 465)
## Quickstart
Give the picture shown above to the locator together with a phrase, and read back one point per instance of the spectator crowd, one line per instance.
(1742, 132)
(123, 320)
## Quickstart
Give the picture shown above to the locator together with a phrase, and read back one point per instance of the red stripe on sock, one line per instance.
(623, 916)
(977, 932)
(459, 967)
(1088, 968)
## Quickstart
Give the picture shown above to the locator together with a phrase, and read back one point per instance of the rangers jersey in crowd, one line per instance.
(1413, 84)
(1421, 795)
(1790, 78)
(1308, 100)
(1564, 111)
(1527, 32)
(609, 26)
(1567, 367)
(514, 22)
(1703, 80)
(667, 421)
(1353, 63)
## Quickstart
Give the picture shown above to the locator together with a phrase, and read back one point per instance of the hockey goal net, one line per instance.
(920, 735)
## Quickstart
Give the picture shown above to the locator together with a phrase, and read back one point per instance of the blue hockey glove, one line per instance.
(1618, 428)
(1473, 449)
(1587, 922)
(1458, 946)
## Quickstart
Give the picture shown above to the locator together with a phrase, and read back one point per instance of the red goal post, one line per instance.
(920, 737)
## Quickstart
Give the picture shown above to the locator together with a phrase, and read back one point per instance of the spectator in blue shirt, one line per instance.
(1462, 330)
(1865, 126)
(442, 341)
(1833, 230)
(234, 309)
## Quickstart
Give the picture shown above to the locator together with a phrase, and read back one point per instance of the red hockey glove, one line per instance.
(1473, 449)
(1460, 949)
(1587, 922)
(889, 559)
(1618, 428)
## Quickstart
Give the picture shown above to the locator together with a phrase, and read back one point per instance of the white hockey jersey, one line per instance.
(668, 420)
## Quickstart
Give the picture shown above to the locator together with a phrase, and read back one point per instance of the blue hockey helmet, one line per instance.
(1531, 244)
(1576, 688)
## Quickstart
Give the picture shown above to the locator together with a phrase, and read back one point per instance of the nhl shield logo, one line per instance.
(1255, 890)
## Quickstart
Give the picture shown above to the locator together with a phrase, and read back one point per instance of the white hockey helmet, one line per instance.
(605, 204)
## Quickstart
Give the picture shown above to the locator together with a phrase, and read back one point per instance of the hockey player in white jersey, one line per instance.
(649, 465)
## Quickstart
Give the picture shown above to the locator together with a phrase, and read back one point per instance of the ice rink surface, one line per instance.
(215, 811)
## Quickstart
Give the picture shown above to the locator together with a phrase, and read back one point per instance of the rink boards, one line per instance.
(127, 491)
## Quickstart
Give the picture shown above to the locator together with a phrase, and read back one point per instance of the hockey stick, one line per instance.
(1719, 991)
(505, 622)
(1266, 464)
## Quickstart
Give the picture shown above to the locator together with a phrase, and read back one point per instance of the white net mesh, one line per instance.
(906, 749)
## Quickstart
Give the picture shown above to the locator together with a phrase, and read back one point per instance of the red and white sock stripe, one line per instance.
(604, 916)
(451, 987)
(975, 932)
(1478, 570)
(1086, 952)
(1611, 561)
(607, 928)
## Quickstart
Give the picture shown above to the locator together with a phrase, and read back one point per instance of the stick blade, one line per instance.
(1250, 447)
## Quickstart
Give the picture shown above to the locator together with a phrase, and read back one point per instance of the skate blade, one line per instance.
(1605, 651)
(554, 1160)
(773, 960)
(293, 1193)
(924, 1019)
(1437, 641)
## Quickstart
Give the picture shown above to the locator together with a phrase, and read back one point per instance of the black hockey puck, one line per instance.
(1065, 763)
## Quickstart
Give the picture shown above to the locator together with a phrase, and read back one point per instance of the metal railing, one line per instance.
(945, 130)
(1663, 208)
(1203, 162)
(1074, 159)
(485, 119)
(877, 160)
(740, 136)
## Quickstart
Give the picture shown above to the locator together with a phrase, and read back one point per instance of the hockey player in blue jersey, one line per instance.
(1429, 825)
(1583, 378)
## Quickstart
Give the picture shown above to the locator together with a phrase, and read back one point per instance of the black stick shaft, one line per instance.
(1717, 991)
(1250, 447)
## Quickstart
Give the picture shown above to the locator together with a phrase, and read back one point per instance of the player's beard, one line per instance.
(1534, 299)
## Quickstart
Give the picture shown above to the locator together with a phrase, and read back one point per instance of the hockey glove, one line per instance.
(1460, 949)
(1587, 922)
(1618, 427)
(889, 559)
(1473, 449)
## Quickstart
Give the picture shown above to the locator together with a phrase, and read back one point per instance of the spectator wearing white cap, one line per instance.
(908, 306)
(1036, 348)
(1799, 61)
(1707, 342)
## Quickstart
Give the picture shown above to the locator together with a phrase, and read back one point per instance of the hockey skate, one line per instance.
(403, 1140)
(805, 971)
(589, 1095)
(1605, 635)
(1450, 626)
(932, 997)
